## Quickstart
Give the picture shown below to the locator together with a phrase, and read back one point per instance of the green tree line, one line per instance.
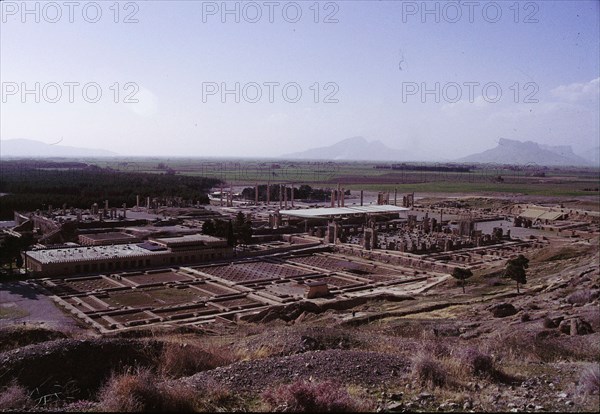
(30, 186)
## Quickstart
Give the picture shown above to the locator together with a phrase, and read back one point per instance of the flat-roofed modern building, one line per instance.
(189, 241)
(102, 239)
(176, 251)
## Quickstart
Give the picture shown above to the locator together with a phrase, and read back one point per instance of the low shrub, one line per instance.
(429, 371)
(14, 397)
(311, 397)
(495, 281)
(79, 407)
(589, 380)
(142, 391)
(544, 346)
(473, 362)
(549, 323)
(214, 397)
(580, 297)
(180, 360)
(478, 363)
(437, 347)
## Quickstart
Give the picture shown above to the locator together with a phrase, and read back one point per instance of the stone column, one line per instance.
(268, 193)
(280, 196)
(367, 235)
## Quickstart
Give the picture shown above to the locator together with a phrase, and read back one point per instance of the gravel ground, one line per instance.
(21, 304)
(369, 369)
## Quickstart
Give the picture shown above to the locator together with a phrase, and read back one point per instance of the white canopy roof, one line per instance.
(325, 212)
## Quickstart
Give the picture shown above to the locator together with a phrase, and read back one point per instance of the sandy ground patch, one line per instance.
(21, 304)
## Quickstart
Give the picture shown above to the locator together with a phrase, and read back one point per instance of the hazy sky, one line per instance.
(519, 70)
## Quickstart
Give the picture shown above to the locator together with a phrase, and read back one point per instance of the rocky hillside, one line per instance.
(489, 349)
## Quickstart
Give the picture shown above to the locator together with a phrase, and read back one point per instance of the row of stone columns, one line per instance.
(337, 197)
(283, 195)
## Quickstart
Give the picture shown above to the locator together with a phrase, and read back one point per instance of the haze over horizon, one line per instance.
(544, 58)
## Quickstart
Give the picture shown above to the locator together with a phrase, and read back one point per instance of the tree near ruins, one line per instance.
(208, 228)
(11, 248)
(515, 270)
(462, 274)
(243, 229)
(230, 235)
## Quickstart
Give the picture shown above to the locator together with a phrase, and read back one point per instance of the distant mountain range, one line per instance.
(507, 152)
(510, 151)
(592, 155)
(30, 148)
(355, 148)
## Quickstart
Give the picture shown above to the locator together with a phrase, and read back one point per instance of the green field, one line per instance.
(528, 180)
(565, 190)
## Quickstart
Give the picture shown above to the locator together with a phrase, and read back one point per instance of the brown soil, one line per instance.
(80, 365)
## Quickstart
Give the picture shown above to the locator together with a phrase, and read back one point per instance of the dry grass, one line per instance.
(434, 345)
(261, 352)
(214, 397)
(580, 297)
(483, 365)
(430, 371)
(478, 363)
(79, 407)
(407, 328)
(589, 380)
(302, 396)
(14, 397)
(17, 336)
(142, 391)
(442, 363)
(543, 346)
(550, 254)
(181, 359)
